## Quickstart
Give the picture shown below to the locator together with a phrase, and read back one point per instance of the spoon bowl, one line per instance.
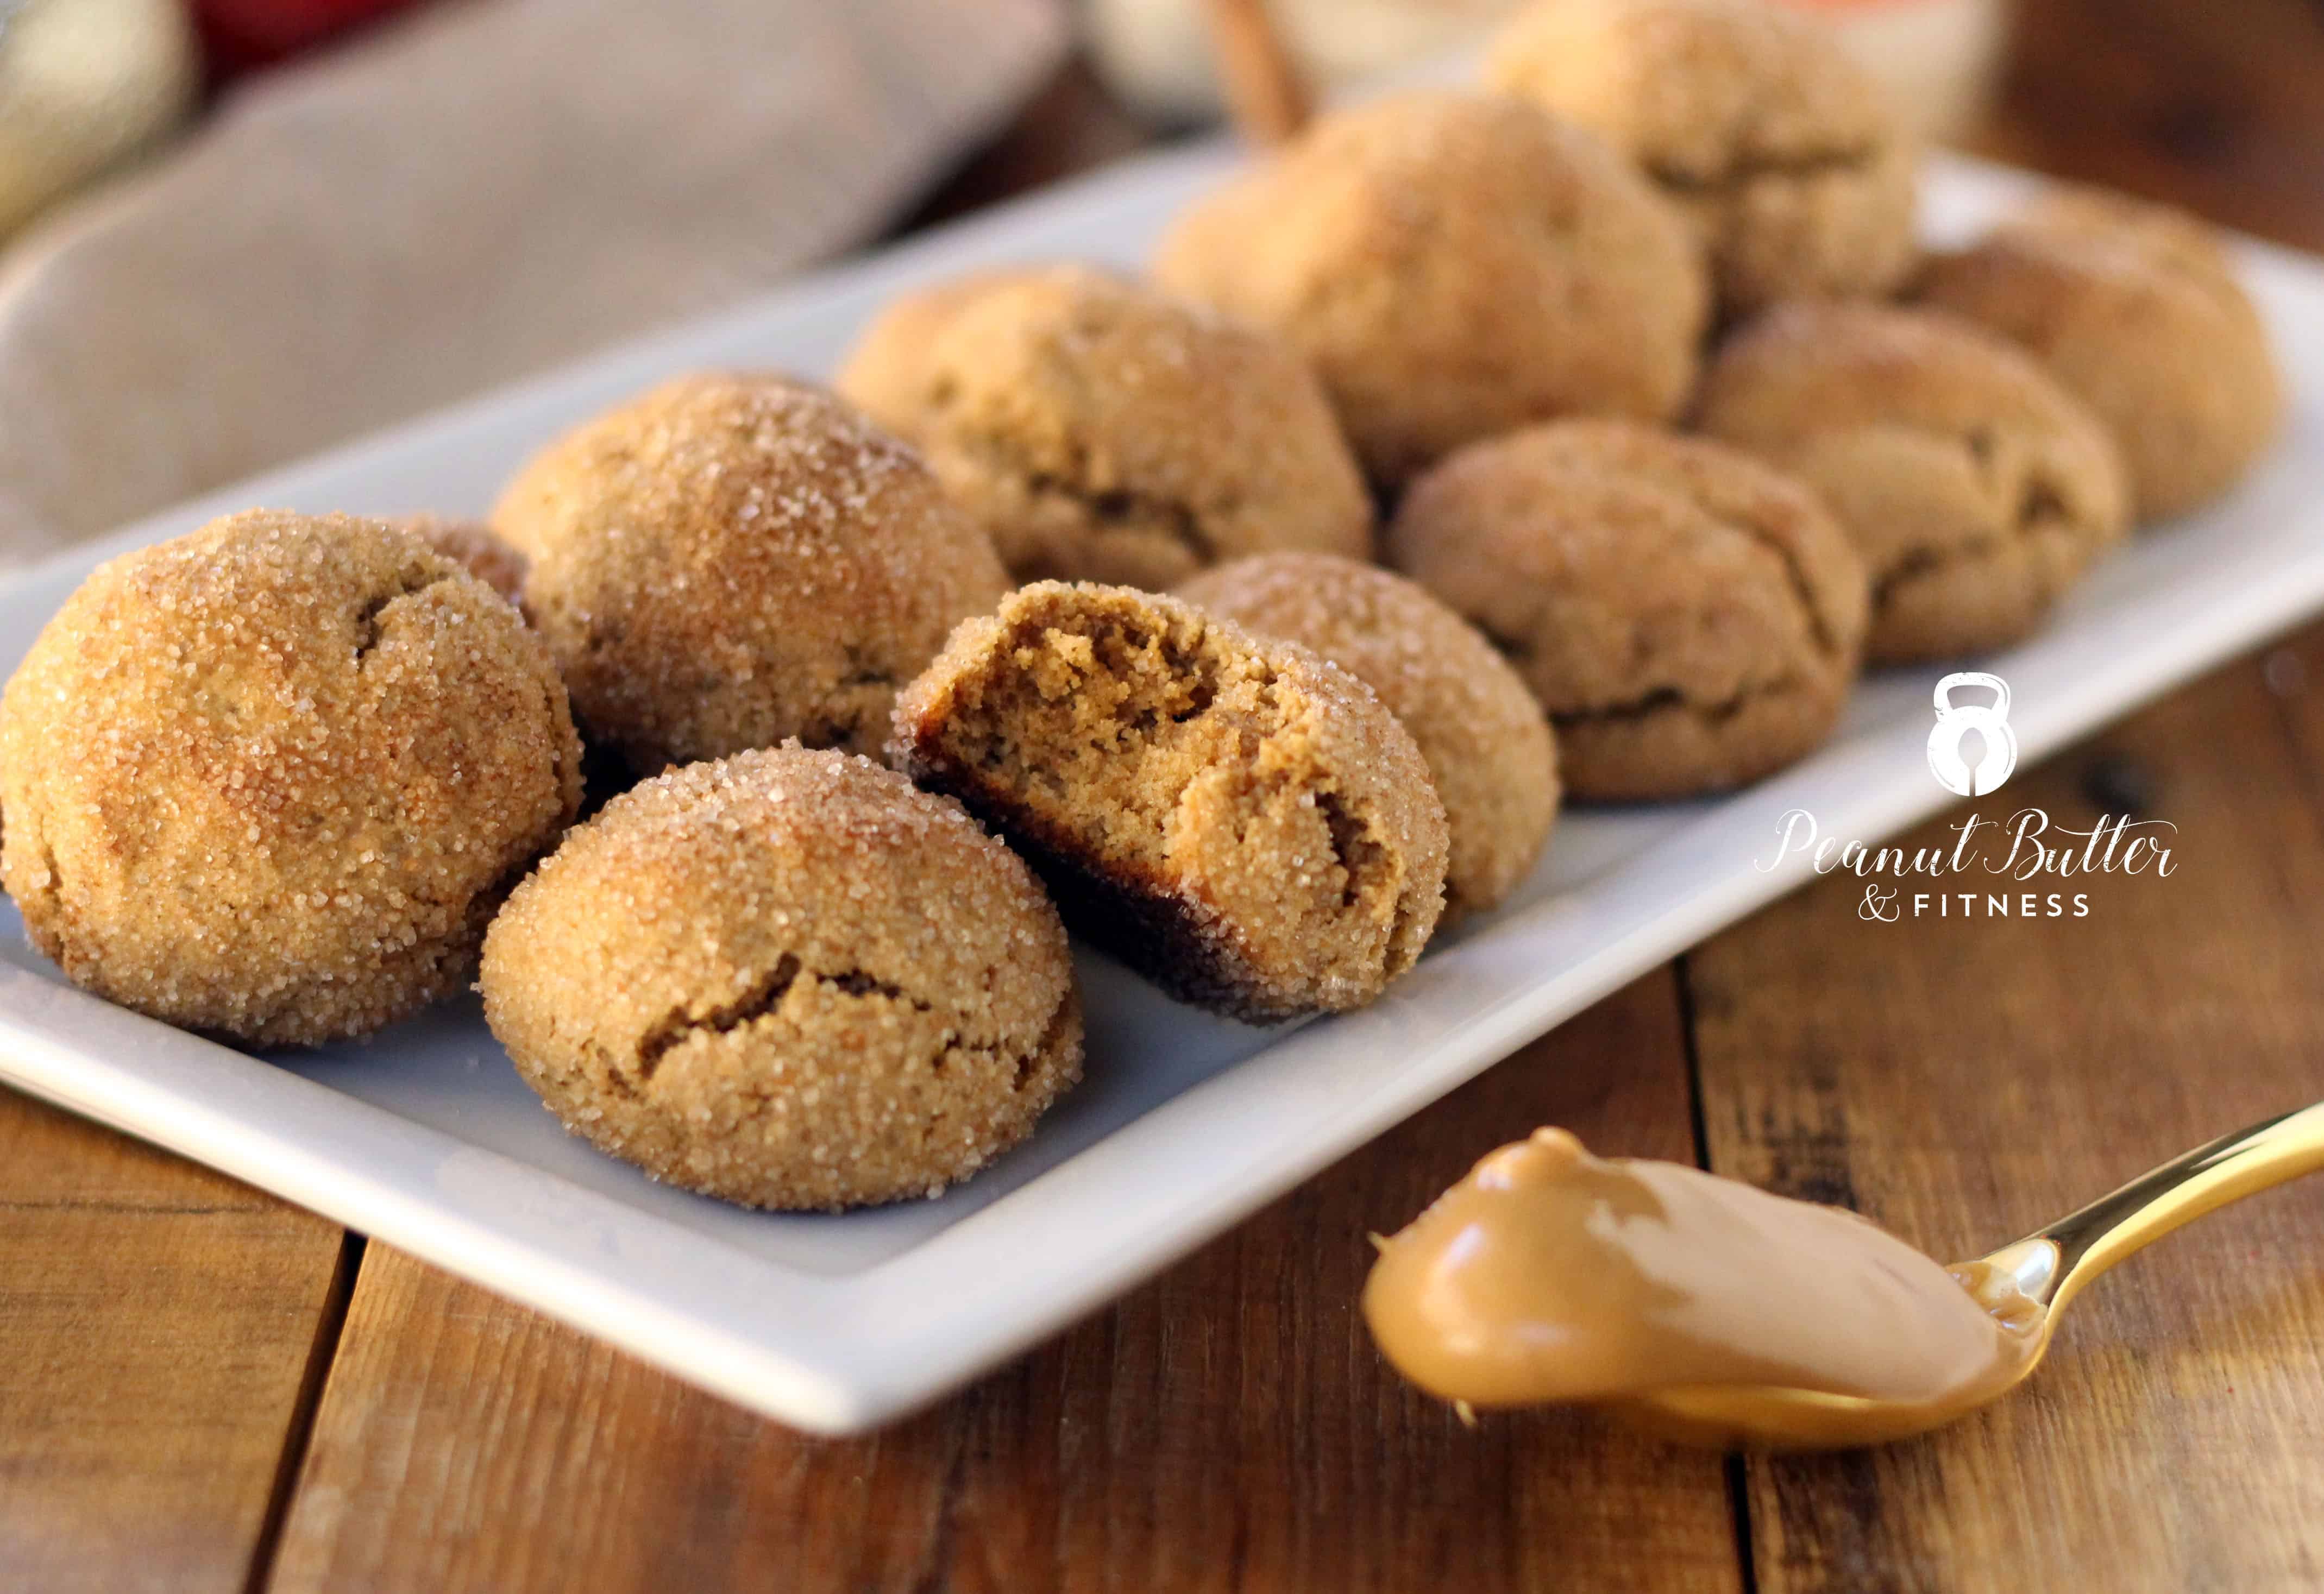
(2026, 1284)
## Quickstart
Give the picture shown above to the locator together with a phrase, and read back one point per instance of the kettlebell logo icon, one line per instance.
(1955, 721)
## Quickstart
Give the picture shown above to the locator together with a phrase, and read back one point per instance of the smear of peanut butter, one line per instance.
(1549, 1274)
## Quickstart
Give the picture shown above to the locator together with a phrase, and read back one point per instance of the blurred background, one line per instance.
(233, 232)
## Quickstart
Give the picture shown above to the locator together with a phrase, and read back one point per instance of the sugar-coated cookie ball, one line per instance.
(1689, 619)
(1488, 744)
(1101, 431)
(1454, 265)
(788, 978)
(269, 779)
(2137, 309)
(1241, 821)
(732, 560)
(1976, 488)
(1751, 118)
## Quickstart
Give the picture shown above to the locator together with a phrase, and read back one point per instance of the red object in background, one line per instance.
(240, 35)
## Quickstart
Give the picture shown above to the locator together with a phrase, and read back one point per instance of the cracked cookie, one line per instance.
(1750, 118)
(1976, 488)
(2135, 309)
(1454, 265)
(1689, 619)
(731, 560)
(1488, 747)
(787, 979)
(1102, 431)
(269, 781)
(1241, 822)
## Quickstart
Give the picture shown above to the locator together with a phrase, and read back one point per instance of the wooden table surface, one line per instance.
(202, 1388)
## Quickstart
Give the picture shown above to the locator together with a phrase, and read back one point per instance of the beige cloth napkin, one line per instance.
(476, 192)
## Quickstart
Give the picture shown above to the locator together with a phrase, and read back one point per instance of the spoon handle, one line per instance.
(2152, 1205)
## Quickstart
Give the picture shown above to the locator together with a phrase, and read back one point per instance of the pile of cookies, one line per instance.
(1580, 436)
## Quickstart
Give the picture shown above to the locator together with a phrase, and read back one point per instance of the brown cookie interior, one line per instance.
(1170, 781)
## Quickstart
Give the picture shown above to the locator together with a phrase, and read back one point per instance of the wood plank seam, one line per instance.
(1732, 1471)
(330, 1325)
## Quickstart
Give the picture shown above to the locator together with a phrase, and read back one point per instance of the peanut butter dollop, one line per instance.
(1549, 1274)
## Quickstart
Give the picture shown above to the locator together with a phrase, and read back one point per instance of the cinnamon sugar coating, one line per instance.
(1488, 745)
(789, 980)
(1101, 431)
(1750, 117)
(731, 560)
(269, 779)
(1689, 619)
(2135, 309)
(1454, 265)
(1976, 488)
(1241, 821)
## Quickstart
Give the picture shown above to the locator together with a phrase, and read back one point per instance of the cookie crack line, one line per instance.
(1745, 169)
(1352, 844)
(1021, 1059)
(864, 671)
(1520, 652)
(407, 583)
(52, 879)
(1795, 575)
(758, 999)
(1112, 509)
(2039, 504)
(1125, 509)
(1666, 699)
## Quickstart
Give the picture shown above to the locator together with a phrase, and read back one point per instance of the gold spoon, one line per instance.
(2031, 1279)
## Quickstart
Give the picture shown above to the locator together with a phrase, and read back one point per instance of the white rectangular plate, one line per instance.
(426, 1138)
